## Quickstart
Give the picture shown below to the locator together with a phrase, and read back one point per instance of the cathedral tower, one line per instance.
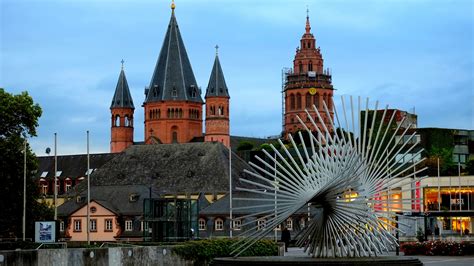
(217, 106)
(173, 103)
(122, 116)
(307, 85)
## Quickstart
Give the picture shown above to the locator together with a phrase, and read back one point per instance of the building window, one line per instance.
(128, 225)
(174, 92)
(302, 222)
(261, 224)
(93, 225)
(144, 226)
(292, 101)
(316, 100)
(108, 225)
(219, 224)
(237, 224)
(310, 65)
(127, 122)
(68, 185)
(77, 226)
(202, 224)
(289, 224)
(117, 121)
(301, 67)
(61, 226)
(93, 209)
(44, 188)
(298, 101)
(308, 100)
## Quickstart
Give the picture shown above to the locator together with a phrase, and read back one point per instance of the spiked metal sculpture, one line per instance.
(347, 172)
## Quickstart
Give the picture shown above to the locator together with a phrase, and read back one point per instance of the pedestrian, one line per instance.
(285, 237)
(436, 231)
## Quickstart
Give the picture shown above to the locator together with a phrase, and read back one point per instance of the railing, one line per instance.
(117, 244)
(63, 244)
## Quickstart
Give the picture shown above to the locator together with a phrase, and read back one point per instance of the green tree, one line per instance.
(18, 120)
(245, 145)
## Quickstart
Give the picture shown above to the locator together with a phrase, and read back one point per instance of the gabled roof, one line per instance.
(173, 78)
(172, 168)
(114, 198)
(72, 166)
(122, 97)
(217, 85)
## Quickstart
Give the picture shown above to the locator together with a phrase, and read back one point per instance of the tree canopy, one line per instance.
(18, 120)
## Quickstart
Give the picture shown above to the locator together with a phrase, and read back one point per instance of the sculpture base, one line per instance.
(291, 261)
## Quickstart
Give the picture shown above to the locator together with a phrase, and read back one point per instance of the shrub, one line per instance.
(203, 251)
(438, 248)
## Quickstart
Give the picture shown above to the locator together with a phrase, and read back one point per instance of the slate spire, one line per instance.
(173, 77)
(122, 97)
(217, 85)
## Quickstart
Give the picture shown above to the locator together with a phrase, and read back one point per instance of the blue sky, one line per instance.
(66, 54)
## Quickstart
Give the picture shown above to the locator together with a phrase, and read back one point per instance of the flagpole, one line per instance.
(55, 177)
(231, 226)
(459, 183)
(439, 189)
(24, 191)
(88, 191)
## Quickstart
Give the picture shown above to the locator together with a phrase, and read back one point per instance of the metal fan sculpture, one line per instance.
(348, 171)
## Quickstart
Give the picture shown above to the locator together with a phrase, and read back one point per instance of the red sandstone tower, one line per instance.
(307, 85)
(122, 116)
(173, 103)
(217, 106)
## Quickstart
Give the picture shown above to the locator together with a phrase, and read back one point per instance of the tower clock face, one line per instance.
(312, 91)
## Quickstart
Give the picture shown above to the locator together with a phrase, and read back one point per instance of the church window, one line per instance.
(127, 122)
(309, 44)
(180, 113)
(117, 120)
(168, 114)
(310, 66)
(308, 100)
(219, 224)
(197, 114)
(304, 45)
(301, 67)
(298, 101)
(174, 92)
(159, 113)
(193, 91)
(292, 101)
(202, 224)
(316, 100)
(150, 114)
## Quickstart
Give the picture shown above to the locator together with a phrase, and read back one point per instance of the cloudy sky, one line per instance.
(412, 55)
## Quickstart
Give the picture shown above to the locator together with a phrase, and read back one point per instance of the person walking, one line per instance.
(285, 237)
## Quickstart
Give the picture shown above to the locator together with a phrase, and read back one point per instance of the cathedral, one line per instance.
(173, 104)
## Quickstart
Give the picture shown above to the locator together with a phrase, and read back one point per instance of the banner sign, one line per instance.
(45, 232)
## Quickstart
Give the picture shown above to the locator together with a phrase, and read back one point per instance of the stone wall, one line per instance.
(161, 256)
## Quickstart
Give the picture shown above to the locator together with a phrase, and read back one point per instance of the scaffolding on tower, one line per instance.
(284, 73)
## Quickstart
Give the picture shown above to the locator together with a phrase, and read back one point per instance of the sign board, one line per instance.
(311, 74)
(45, 232)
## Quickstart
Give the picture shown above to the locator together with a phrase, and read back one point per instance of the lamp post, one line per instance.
(24, 191)
(88, 191)
(231, 227)
(55, 178)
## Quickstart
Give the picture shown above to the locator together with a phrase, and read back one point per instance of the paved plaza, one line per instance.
(427, 260)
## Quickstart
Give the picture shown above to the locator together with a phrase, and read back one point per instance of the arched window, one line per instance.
(127, 122)
(159, 113)
(174, 134)
(180, 113)
(316, 100)
(301, 67)
(310, 66)
(292, 101)
(117, 120)
(309, 44)
(219, 224)
(298, 101)
(197, 114)
(308, 100)
(150, 114)
(202, 224)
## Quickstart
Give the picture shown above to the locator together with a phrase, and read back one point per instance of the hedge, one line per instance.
(438, 248)
(204, 251)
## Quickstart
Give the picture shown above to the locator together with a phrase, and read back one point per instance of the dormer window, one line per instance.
(133, 197)
(79, 199)
(174, 92)
(193, 91)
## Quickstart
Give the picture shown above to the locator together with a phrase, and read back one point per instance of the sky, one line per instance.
(413, 55)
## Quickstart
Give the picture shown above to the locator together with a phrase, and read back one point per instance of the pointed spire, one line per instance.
(217, 85)
(308, 26)
(122, 97)
(173, 77)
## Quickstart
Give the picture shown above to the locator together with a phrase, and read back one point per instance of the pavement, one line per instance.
(427, 260)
